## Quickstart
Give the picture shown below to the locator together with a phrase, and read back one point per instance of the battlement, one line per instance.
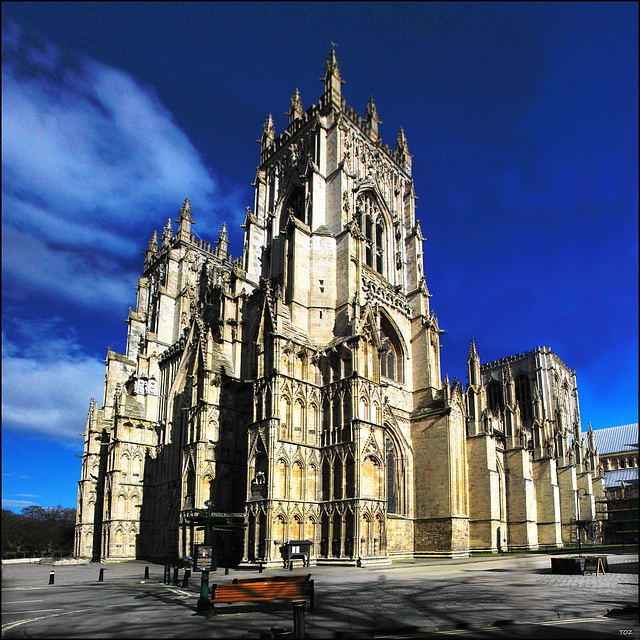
(495, 364)
(518, 356)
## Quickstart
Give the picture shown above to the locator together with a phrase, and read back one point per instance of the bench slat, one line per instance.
(269, 579)
(260, 591)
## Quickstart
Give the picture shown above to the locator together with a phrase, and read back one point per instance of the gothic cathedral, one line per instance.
(300, 384)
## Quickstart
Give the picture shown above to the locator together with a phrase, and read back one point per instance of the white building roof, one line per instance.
(628, 476)
(615, 439)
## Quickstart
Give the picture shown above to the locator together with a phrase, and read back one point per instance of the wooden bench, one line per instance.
(252, 591)
(297, 578)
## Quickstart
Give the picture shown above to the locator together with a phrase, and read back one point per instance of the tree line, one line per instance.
(37, 531)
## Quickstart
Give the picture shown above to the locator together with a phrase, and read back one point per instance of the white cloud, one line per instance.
(46, 386)
(89, 155)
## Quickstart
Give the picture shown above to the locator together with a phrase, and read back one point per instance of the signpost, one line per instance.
(205, 557)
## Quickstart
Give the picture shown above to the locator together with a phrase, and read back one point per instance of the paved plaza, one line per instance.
(408, 599)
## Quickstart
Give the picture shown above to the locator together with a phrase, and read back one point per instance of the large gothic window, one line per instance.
(523, 397)
(295, 205)
(371, 223)
(391, 358)
(494, 397)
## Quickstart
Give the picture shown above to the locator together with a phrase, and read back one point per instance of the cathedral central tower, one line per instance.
(345, 336)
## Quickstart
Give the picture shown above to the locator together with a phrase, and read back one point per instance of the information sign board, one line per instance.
(205, 558)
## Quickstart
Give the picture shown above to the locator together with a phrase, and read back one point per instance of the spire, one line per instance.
(185, 212)
(509, 386)
(332, 80)
(372, 119)
(268, 133)
(185, 221)
(473, 364)
(167, 232)
(472, 352)
(153, 243)
(591, 440)
(223, 235)
(537, 402)
(295, 108)
(372, 112)
(331, 68)
(402, 149)
(223, 242)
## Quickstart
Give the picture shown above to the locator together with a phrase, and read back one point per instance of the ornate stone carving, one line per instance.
(377, 291)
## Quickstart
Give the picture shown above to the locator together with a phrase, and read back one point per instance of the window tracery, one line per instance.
(371, 223)
(391, 357)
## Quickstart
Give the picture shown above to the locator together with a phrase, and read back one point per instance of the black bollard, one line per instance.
(185, 579)
(101, 576)
(167, 573)
(281, 632)
(298, 619)
(51, 577)
(176, 583)
(226, 571)
(146, 573)
(290, 565)
(260, 567)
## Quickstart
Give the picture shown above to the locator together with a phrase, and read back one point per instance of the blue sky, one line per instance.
(521, 119)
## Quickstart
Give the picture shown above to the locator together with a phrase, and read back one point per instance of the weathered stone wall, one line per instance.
(521, 500)
(547, 502)
(484, 497)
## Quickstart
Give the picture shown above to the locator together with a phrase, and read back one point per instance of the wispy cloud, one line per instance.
(16, 504)
(89, 156)
(46, 384)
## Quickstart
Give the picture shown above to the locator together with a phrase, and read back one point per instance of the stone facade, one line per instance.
(300, 384)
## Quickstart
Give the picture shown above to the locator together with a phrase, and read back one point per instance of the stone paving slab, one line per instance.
(419, 597)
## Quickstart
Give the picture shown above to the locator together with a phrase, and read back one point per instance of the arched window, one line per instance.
(337, 479)
(371, 223)
(391, 477)
(391, 359)
(326, 480)
(523, 397)
(296, 481)
(298, 420)
(280, 488)
(285, 417)
(494, 397)
(295, 205)
(310, 487)
(258, 406)
(312, 425)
